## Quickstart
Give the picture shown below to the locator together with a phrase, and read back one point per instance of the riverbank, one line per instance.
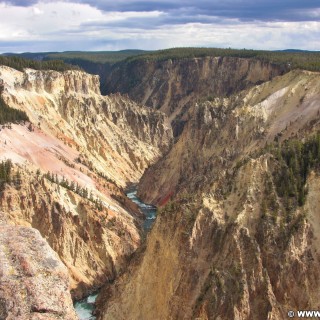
(85, 307)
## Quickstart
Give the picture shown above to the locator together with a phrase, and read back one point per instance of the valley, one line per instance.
(231, 239)
(66, 172)
(189, 192)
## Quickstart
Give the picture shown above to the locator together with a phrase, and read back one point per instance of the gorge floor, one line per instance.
(86, 306)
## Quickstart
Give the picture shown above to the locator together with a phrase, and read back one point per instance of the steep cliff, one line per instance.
(93, 239)
(70, 165)
(173, 86)
(34, 284)
(113, 134)
(223, 259)
(235, 241)
(221, 133)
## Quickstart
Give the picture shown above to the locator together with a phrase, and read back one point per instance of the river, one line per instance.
(149, 211)
(85, 307)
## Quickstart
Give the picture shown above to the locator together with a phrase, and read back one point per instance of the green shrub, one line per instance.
(5, 173)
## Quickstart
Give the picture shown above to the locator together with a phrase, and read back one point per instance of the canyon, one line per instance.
(207, 148)
(70, 165)
(225, 245)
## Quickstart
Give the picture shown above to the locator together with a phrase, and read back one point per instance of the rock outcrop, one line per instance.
(227, 245)
(34, 283)
(173, 86)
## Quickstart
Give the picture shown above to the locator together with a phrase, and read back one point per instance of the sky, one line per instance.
(88, 25)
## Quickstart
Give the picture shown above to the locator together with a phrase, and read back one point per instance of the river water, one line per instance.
(149, 211)
(85, 307)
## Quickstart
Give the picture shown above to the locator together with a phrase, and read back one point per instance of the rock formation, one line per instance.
(220, 133)
(34, 283)
(92, 241)
(173, 86)
(70, 165)
(111, 134)
(227, 244)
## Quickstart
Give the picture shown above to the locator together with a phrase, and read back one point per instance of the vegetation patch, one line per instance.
(11, 115)
(295, 160)
(74, 187)
(8, 176)
(20, 63)
(5, 173)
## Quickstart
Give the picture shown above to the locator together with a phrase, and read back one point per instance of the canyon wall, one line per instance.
(113, 134)
(70, 165)
(221, 133)
(92, 239)
(173, 86)
(227, 244)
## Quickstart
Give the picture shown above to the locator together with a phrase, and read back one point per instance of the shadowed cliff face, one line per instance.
(34, 284)
(174, 86)
(225, 131)
(226, 246)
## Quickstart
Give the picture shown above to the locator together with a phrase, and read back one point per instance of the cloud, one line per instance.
(112, 25)
(265, 10)
(20, 3)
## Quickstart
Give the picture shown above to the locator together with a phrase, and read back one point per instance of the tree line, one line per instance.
(20, 63)
(75, 187)
(308, 60)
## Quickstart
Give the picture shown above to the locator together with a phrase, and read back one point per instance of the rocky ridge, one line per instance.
(223, 132)
(92, 241)
(69, 107)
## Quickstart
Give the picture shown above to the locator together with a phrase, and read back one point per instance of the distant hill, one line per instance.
(19, 62)
(39, 56)
(73, 57)
(296, 50)
(308, 60)
(110, 57)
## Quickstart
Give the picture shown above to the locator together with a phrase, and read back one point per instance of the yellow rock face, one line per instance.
(94, 144)
(217, 252)
(112, 134)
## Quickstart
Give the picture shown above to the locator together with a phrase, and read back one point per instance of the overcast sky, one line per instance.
(121, 24)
